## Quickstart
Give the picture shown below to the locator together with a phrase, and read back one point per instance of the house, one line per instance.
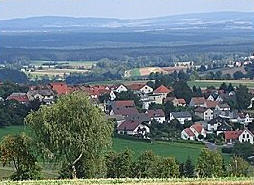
(157, 115)
(156, 98)
(213, 96)
(187, 134)
(133, 128)
(176, 102)
(140, 88)
(223, 107)
(180, 116)
(171, 99)
(181, 102)
(194, 132)
(246, 136)
(60, 88)
(141, 117)
(112, 96)
(198, 129)
(20, 97)
(244, 118)
(119, 88)
(219, 98)
(123, 107)
(45, 96)
(219, 125)
(197, 102)
(204, 113)
(232, 136)
(251, 103)
(162, 90)
(210, 104)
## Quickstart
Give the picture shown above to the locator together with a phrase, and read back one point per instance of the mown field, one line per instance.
(217, 83)
(226, 181)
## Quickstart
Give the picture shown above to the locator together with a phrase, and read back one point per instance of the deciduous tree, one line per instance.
(70, 131)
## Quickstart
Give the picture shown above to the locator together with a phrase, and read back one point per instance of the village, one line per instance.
(206, 118)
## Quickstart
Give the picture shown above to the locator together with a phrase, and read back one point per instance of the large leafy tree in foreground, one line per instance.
(72, 132)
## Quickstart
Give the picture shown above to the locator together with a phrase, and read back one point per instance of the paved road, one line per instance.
(211, 146)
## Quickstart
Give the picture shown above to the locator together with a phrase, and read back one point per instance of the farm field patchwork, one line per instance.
(42, 68)
(145, 71)
(217, 83)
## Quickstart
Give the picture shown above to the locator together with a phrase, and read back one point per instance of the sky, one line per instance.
(122, 9)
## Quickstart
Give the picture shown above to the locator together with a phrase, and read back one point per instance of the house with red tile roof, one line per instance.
(193, 132)
(133, 128)
(176, 102)
(181, 102)
(20, 97)
(232, 136)
(162, 90)
(211, 104)
(140, 88)
(157, 115)
(239, 135)
(187, 134)
(197, 102)
(60, 88)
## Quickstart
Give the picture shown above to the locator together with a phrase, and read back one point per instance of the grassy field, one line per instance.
(217, 83)
(11, 130)
(180, 150)
(226, 181)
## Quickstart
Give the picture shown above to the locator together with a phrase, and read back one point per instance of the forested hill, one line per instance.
(164, 38)
(214, 21)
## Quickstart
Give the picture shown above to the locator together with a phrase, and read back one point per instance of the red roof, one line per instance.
(232, 134)
(20, 97)
(198, 100)
(155, 113)
(124, 103)
(60, 88)
(189, 132)
(198, 127)
(181, 101)
(162, 90)
(136, 86)
(211, 104)
(128, 125)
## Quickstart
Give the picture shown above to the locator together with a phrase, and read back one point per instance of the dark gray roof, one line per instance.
(181, 114)
(141, 117)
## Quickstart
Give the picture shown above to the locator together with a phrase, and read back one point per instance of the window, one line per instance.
(247, 135)
(243, 135)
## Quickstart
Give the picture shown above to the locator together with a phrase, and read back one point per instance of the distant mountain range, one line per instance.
(212, 21)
